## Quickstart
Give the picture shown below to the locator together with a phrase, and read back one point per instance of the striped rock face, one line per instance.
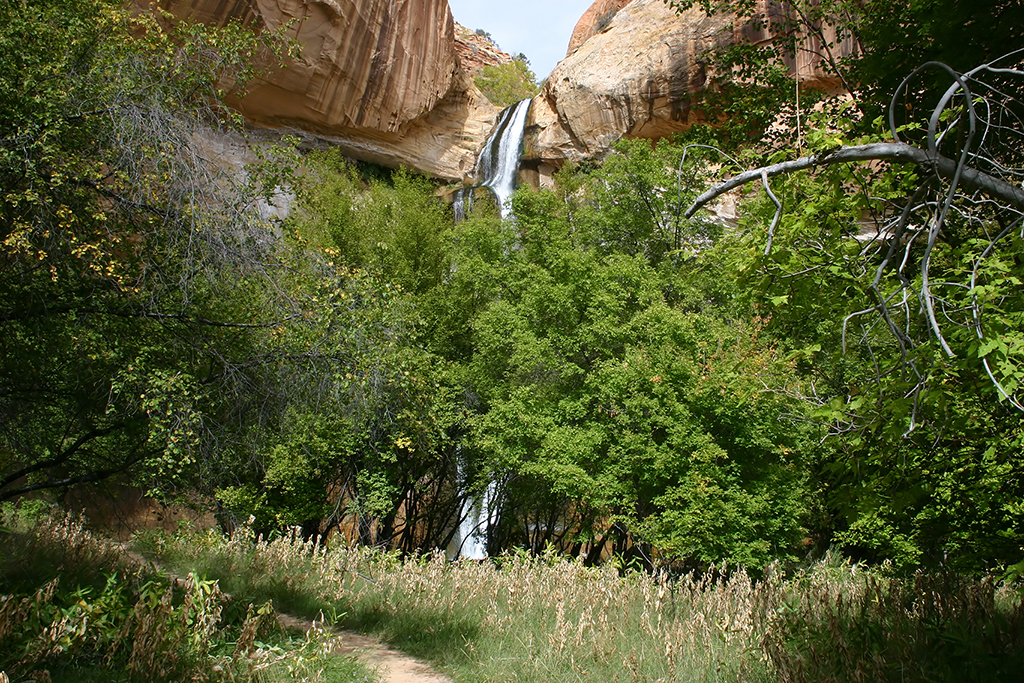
(381, 78)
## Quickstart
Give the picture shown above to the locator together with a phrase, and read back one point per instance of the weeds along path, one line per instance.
(391, 665)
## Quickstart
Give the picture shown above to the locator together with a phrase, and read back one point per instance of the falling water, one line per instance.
(470, 541)
(497, 169)
(498, 164)
(462, 202)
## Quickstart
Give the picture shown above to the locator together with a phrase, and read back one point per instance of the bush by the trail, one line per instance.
(74, 606)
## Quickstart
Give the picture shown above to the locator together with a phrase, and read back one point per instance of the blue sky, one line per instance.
(540, 29)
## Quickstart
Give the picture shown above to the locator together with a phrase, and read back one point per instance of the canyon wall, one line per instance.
(636, 74)
(380, 78)
(391, 81)
(596, 19)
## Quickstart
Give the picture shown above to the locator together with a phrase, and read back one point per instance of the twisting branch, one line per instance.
(61, 457)
(776, 217)
(970, 161)
(976, 308)
(942, 166)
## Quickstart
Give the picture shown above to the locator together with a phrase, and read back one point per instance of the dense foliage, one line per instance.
(154, 323)
(508, 83)
(117, 242)
(612, 377)
(913, 327)
(601, 386)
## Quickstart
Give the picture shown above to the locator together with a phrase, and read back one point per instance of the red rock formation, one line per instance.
(381, 78)
(593, 21)
(374, 64)
(638, 77)
(476, 51)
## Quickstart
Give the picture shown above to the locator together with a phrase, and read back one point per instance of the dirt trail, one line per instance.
(391, 665)
(394, 667)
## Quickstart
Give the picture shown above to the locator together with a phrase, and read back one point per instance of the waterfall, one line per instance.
(462, 202)
(470, 541)
(498, 164)
(496, 169)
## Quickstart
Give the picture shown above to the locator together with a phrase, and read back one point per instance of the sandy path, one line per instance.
(391, 665)
(394, 667)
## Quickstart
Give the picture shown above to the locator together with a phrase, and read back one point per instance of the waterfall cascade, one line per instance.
(496, 169)
(470, 540)
(498, 164)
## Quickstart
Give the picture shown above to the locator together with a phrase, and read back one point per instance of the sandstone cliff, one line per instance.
(636, 77)
(476, 51)
(380, 78)
(593, 21)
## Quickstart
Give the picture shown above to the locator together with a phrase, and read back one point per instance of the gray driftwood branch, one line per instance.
(980, 109)
(970, 178)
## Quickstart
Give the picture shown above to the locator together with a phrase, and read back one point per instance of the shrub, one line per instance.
(96, 615)
(509, 83)
(604, 20)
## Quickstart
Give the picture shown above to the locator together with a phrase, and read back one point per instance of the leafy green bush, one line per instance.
(509, 83)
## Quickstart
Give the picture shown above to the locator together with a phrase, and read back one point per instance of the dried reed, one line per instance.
(543, 618)
(136, 626)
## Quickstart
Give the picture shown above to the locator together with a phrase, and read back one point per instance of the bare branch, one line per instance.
(89, 477)
(60, 458)
(901, 152)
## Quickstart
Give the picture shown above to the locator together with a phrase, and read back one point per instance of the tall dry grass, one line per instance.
(527, 618)
(76, 607)
(519, 618)
(839, 623)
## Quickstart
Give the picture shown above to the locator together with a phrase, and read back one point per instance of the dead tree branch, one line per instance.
(944, 167)
(971, 161)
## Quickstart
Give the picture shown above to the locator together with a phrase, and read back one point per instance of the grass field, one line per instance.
(521, 618)
(74, 606)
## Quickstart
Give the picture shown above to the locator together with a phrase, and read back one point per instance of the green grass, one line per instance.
(75, 607)
(518, 618)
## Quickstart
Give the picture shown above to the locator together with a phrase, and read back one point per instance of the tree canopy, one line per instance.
(506, 84)
(617, 370)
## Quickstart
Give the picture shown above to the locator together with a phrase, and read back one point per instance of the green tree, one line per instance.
(372, 442)
(898, 284)
(106, 220)
(392, 226)
(152, 323)
(508, 83)
(362, 429)
(612, 411)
